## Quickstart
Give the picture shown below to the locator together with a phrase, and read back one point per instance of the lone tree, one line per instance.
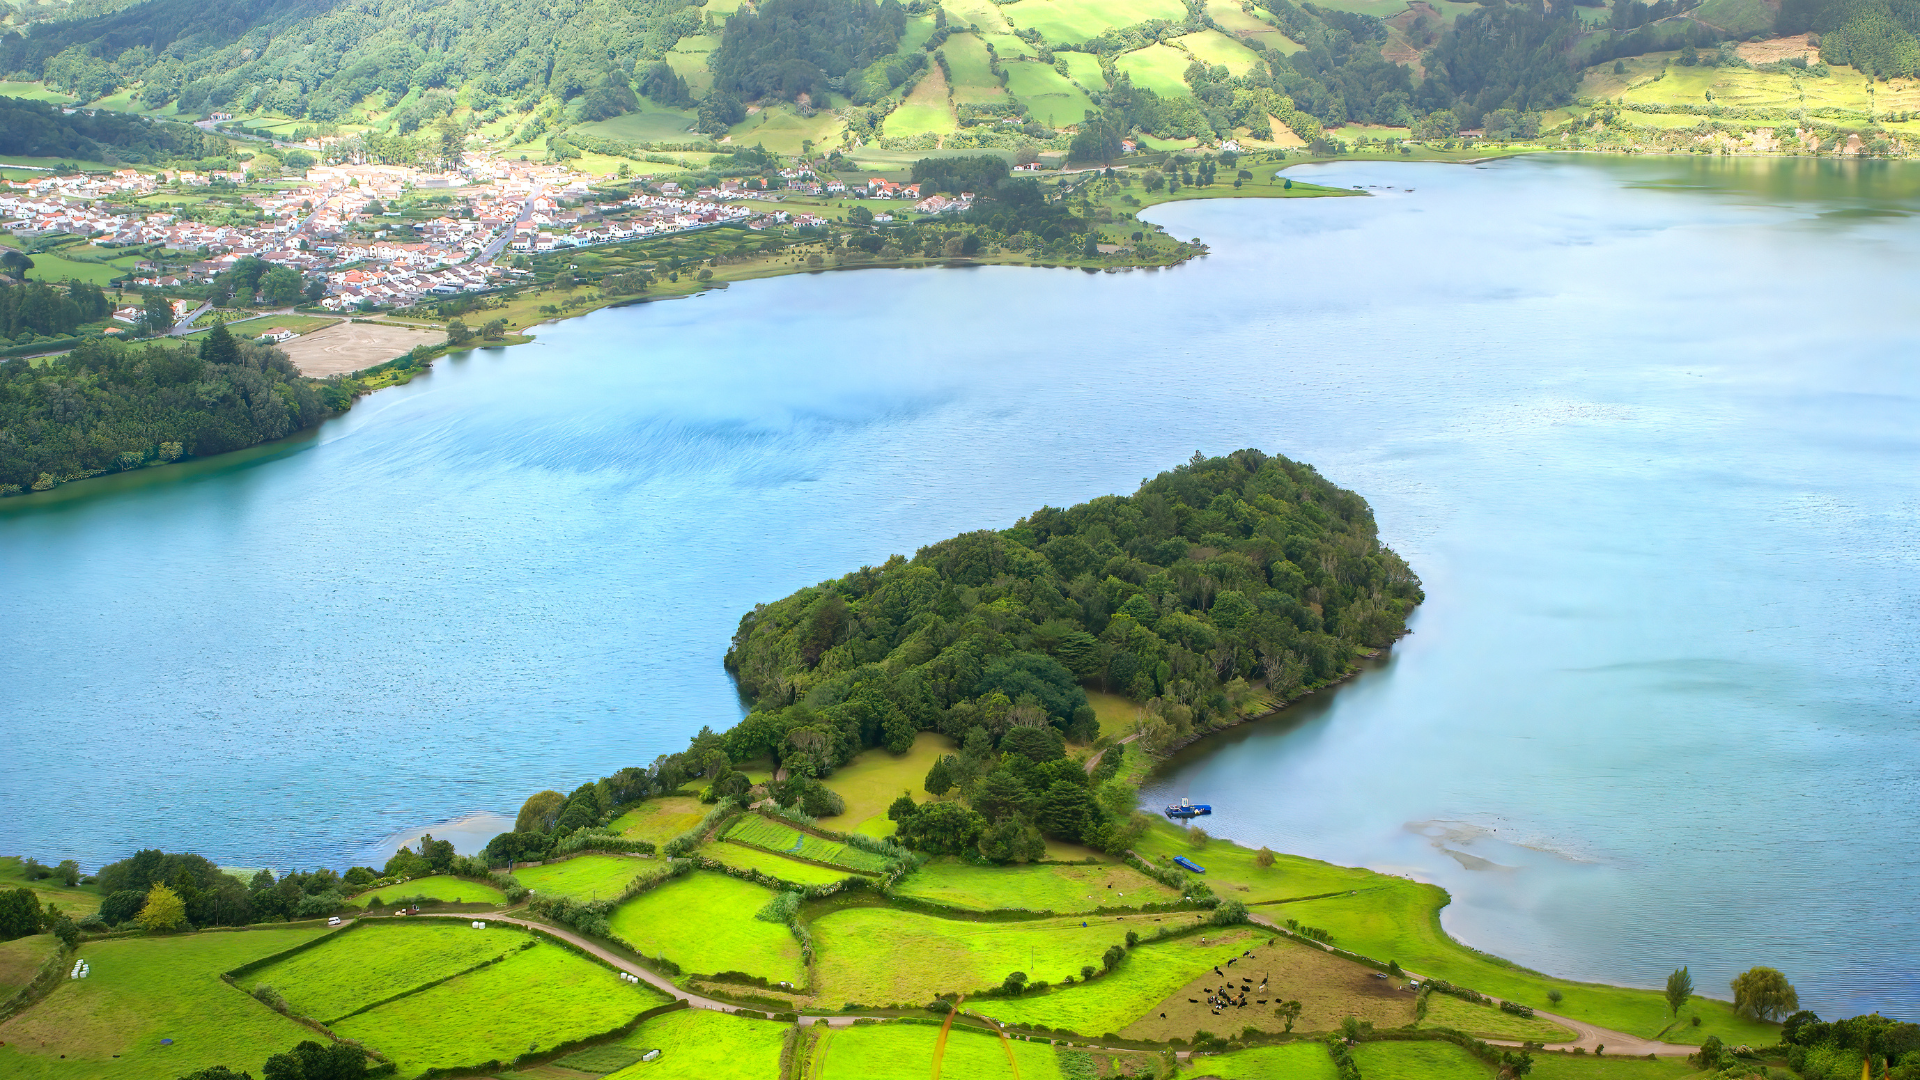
(940, 778)
(1764, 994)
(1679, 989)
(1288, 1011)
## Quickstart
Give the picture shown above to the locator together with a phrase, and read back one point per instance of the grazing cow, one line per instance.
(1193, 1001)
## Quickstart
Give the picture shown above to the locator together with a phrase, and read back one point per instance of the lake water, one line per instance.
(1646, 428)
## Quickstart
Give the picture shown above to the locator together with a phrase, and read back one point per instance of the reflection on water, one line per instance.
(1644, 427)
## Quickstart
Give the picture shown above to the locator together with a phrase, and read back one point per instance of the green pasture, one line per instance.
(252, 326)
(692, 66)
(775, 866)
(1148, 976)
(533, 1000)
(695, 1044)
(585, 877)
(1228, 16)
(1234, 873)
(33, 91)
(1008, 46)
(76, 900)
(1213, 47)
(1293, 1061)
(649, 125)
(373, 962)
(925, 110)
(918, 32)
(662, 819)
(1051, 98)
(1418, 1061)
(905, 1052)
(973, 80)
(21, 959)
(143, 990)
(1049, 887)
(984, 14)
(1488, 1022)
(1118, 715)
(858, 951)
(1589, 1067)
(441, 887)
(48, 266)
(784, 131)
(704, 922)
(1160, 68)
(1078, 20)
(873, 779)
(1084, 68)
(781, 839)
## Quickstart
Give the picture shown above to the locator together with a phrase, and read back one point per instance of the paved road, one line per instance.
(185, 325)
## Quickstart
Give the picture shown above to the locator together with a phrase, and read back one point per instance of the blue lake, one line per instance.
(1646, 428)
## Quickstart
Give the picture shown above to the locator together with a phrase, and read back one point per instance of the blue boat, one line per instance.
(1189, 864)
(1186, 808)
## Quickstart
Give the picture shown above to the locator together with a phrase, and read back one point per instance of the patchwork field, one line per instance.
(906, 1052)
(1084, 69)
(1232, 871)
(1059, 889)
(535, 999)
(586, 877)
(871, 781)
(1328, 989)
(1294, 1061)
(704, 922)
(775, 866)
(143, 990)
(925, 111)
(349, 347)
(859, 950)
(1050, 97)
(660, 820)
(440, 887)
(1418, 1061)
(784, 131)
(1148, 976)
(1488, 1022)
(756, 831)
(695, 1044)
(376, 961)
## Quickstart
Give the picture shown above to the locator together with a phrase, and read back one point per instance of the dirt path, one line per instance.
(1094, 761)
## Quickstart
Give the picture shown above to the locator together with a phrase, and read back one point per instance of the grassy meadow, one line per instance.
(1078, 20)
(586, 877)
(1059, 889)
(374, 961)
(75, 900)
(1488, 1022)
(775, 866)
(1148, 976)
(906, 1052)
(533, 1000)
(1118, 715)
(448, 890)
(660, 820)
(925, 111)
(870, 782)
(21, 959)
(1418, 1061)
(1587, 1067)
(1294, 1061)
(143, 990)
(704, 922)
(768, 835)
(695, 1044)
(1159, 68)
(1328, 989)
(1046, 92)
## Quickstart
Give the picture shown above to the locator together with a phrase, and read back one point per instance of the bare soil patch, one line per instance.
(348, 347)
(1328, 989)
(1776, 49)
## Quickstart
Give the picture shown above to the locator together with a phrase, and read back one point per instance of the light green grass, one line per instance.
(1078, 20)
(21, 959)
(33, 91)
(768, 835)
(704, 922)
(48, 266)
(984, 14)
(660, 820)
(1418, 1061)
(693, 68)
(450, 890)
(585, 877)
(365, 964)
(76, 900)
(775, 866)
(654, 124)
(1060, 889)
(1234, 872)
(1213, 47)
(1294, 1061)
(1148, 976)
(1051, 98)
(143, 990)
(1084, 68)
(533, 1000)
(858, 952)
(925, 110)
(870, 782)
(1009, 47)
(905, 1052)
(1488, 1022)
(698, 1044)
(784, 131)
(1230, 18)
(1118, 715)
(1588, 1067)
(973, 80)
(1159, 68)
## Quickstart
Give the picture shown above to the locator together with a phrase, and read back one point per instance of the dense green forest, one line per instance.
(788, 48)
(37, 309)
(1881, 37)
(106, 406)
(42, 130)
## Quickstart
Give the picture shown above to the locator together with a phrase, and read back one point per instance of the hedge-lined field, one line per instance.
(1418, 1061)
(1488, 1022)
(21, 959)
(372, 963)
(660, 819)
(704, 922)
(441, 887)
(585, 877)
(1294, 1061)
(695, 1044)
(905, 1052)
(777, 866)
(1148, 975)
(768, 835)
(1060, 889)
(533, 1000)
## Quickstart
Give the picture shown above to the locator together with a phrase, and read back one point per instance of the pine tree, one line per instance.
(219, 346)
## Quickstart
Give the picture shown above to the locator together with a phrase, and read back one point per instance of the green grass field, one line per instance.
(252, 326)
(370, 963)
(784, 131)
(1118, 715)
(1148, 975)
(451, 890)
(660, 820)
(1488, 1022)
(48, 266)
(1051, 98)
(1059, 889)
(20, 961)
(704, 922)
(1588, 1067)
(925, 110)
(1084, 68)
(871, 781)
(691, 66)
(859, 950)
(533, 1000)
(143, 990)
(586, 877)
(1159, 68)
(33, 91)
(1078, 20)
(769, 835)
(905, 1052)
(973, 80)
(982, 13)
(1213, 47)
(697, 1044)
(1418, 1061)
(776, 866)
(1294, 1061)
(1232, 871)
(76, 900)
(652, 124)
